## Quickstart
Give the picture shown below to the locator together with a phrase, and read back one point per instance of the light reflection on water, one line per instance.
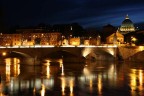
(100, 78)
(136, 81)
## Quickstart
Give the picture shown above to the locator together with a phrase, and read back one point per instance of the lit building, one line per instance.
(30, 37)
(51, 38)
(6, 39)
(93, 40)
(86, 42)
(127, 26)
(38, 36)
(10, 39)
(75, 41)
(26, 36)
(115, 38)
(54, 38)
(16, 39)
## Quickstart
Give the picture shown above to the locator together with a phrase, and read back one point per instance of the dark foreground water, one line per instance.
(100, 78)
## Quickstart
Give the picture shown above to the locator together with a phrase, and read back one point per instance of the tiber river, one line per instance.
(99, 78)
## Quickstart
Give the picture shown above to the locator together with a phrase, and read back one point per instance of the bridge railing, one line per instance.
(51, 46)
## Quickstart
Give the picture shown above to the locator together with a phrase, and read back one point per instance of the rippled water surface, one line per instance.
(99, 78)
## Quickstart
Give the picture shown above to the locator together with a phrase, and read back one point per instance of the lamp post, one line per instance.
(62, 40)
(89, 40)
(133, 39)
(70, 39)
(98, 39)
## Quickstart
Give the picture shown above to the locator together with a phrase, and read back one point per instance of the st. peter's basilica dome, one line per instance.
(127, 26)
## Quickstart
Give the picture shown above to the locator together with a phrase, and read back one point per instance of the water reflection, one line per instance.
(63, 85)
(43, 90)
(94, 74)
(12, 68)
(136, 81)
(99, 84)
(67, 85)
(66, 79)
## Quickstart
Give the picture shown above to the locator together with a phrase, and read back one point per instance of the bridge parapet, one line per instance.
(41, 52)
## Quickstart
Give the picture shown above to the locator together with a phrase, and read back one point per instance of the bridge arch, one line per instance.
(99, 53)
(138, 57)
(21, 54)
(16, 54)
(24, 58)
(65, 55)
(60, 54)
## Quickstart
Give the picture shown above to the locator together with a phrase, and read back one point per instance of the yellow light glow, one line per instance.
(133, 39)
(141, 79)
(99, 84)
(4, 54)
(111, 52)
(86, 51)
(62, 70)
(1, 90)
(71, 82)
(48, 70)
(86, 71)
(43, 90)
(133, 79)
(8, 66)
(141, 48)
(136, 82)
(60, 62)
(16, 61)
(63, 84)
(91, 84)
(16, 66)
(34, 91)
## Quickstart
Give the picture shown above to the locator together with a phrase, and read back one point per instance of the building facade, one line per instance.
(10, 39)
(115, 38)
(30, 37)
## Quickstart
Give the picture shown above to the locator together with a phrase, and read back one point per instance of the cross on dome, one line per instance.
(127, 17)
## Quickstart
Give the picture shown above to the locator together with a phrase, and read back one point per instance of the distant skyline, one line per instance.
(88, 13)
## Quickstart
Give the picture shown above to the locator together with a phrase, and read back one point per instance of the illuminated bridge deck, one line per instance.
(51, 46)
(134, 53)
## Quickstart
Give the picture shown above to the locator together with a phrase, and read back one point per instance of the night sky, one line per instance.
(88, 13)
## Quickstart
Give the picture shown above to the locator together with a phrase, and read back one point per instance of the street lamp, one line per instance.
(133, 39)
(89, 40)
(70, 39)
(98, 39)
(62, 40)
(4, 54)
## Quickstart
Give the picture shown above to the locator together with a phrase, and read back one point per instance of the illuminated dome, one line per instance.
(127, 26)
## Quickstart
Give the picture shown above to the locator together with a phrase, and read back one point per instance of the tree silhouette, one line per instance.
(2, 26)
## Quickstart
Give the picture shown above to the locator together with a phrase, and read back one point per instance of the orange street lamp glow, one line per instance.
(4, 54)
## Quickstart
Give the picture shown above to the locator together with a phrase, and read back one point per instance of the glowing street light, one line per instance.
(89, 40)
(133, 39)
(4, 54)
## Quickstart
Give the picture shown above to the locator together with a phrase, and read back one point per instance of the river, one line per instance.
(98, 78)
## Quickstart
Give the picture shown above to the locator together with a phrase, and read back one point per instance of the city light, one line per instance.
(63, 85)
(4, 54)
(43, 90)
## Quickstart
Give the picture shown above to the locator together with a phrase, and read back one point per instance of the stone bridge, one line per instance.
(76, 54)
(132, 53)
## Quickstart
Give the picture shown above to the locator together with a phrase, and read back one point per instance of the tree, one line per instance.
(2, 27)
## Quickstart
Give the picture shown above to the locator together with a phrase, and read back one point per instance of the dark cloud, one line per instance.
(86, 12)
